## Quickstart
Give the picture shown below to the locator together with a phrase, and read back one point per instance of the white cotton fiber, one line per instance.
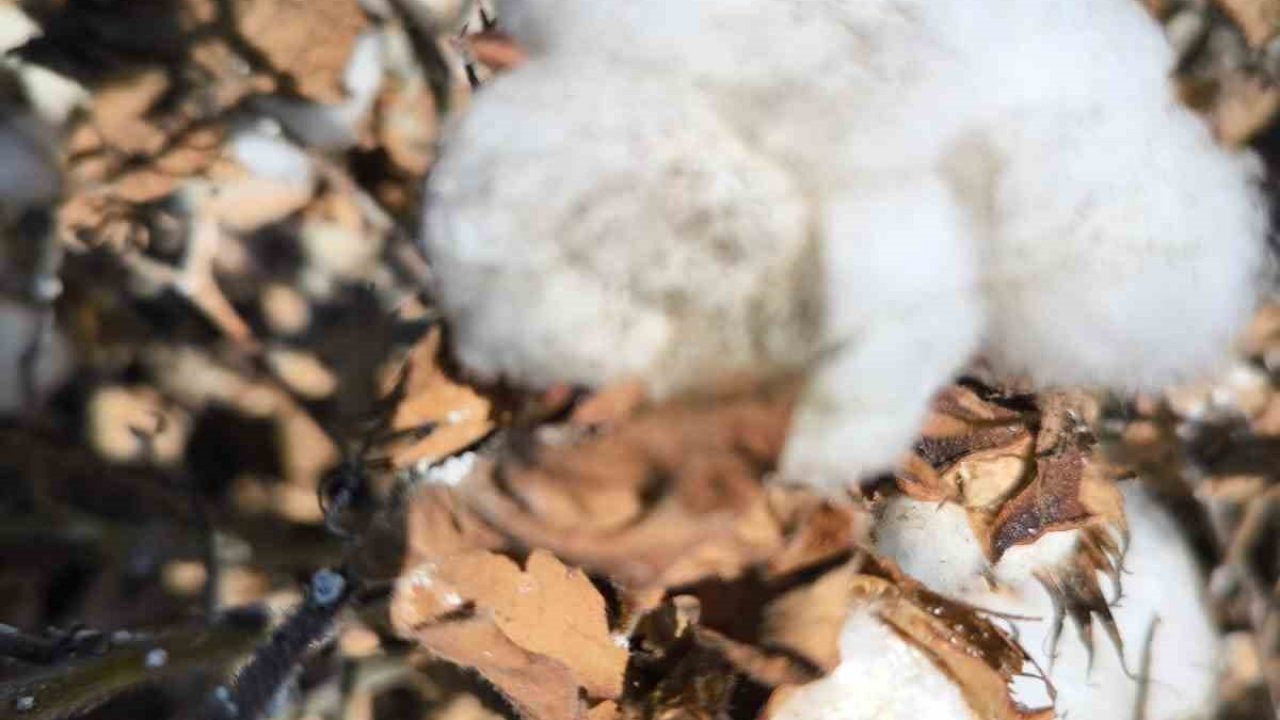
(1160, 582)
(880, 677)
(874, 190)
(583, 269)
(932, 541)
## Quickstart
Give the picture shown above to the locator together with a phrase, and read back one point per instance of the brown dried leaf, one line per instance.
(806, 621)
(1257, 19)
(546, 611)
(436, 528)
(427, 397)
(816, 529)
(611, 404)
(1242, 107)
(607, 710)
(540, 687)
(308, 40)
(408, 126)
(120, 111)
(669, 497)
(496, 50)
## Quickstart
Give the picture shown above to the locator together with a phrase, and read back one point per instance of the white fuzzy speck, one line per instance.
(156, 658)
(452, 471)
(272, 156)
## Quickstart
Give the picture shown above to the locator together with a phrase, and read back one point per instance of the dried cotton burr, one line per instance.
(866, 191)
(1171, 653)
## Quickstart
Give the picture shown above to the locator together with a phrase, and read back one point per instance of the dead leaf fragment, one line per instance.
(1257, 19)
(309, 40)
(669, 497)
(434, 416)
(540, 687)
(538, 634)
(1244, 107)
(496, 50)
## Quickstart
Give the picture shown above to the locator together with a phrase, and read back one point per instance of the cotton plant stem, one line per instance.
(73, 687)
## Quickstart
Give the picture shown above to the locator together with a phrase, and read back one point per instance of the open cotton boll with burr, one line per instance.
(1170, 657)
(871, 192)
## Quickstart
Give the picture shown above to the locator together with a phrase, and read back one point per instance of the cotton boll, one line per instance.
(880, 677)
(932, 541)
(887, 195)
(588, 225)
(935, 542)
(1160, 581)
(1118, 257)
(902, 312)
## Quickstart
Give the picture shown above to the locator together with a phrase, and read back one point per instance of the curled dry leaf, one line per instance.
(1242, 107)
(671, 496)
(538, 634)
(311, 47)
(496, 50)
(1259, 20)
(449, 415)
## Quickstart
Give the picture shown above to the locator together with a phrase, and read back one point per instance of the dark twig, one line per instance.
(259, 682)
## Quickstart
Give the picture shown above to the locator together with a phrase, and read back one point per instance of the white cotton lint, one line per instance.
(1161, 584)
(880, 677)
(679, 192)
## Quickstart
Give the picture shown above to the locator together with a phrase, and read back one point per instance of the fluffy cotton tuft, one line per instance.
(1160, 582)
(880, 677)
(580, 307)
(870, 189)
